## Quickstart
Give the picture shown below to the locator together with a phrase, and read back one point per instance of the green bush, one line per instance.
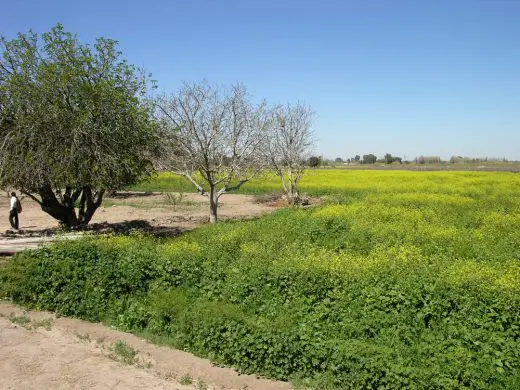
(81, 278)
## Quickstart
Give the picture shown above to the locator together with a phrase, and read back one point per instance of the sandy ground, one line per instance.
(157, 209)
(74, 354)
(154, 213)
(47, 352)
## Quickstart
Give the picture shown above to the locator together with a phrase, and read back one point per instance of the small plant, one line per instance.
(45, 324)
(22, 320)
(146, 365)
(201, 385)
(186, 380)
(124, 353)
(271, 198)
(83, 336)
(174, 199)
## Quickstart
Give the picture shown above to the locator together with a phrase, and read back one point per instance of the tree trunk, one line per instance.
(295, 196)
(64, 213)
(63, 209)
(213, 204)
(293, 186)
(89, 203)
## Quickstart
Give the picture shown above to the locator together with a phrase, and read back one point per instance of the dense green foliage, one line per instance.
(400, 280)
(73, 121)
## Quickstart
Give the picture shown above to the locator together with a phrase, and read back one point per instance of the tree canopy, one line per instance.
(72, 121)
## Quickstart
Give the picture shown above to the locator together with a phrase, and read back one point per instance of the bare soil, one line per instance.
(155, 210)
(40, 351)
(74, 354)
(156, 213)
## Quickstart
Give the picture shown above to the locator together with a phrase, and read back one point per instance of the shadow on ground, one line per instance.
(121, 228)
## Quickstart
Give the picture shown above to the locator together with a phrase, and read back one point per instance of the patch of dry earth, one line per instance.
(75, 354)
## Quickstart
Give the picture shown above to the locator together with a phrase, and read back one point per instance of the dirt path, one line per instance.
(73, 354)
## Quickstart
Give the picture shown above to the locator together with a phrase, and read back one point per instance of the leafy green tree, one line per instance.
(314, 162)
(389, 159)
(369, 159)
(72, 122)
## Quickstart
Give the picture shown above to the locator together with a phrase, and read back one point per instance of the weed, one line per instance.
(22, 320)
(124, 353)
(146, 365)
(273, 198)
(45, 324)
(186, 380)
(174, 199)
(201, 385)
(83, 336)
(404, 279)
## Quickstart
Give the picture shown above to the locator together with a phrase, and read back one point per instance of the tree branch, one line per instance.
(227, 189)
(31, 196)
(197, 185)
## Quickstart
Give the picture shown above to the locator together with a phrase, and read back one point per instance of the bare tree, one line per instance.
(289, 144)
(212, 138)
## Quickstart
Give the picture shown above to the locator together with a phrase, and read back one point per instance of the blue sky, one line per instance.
(429, 77)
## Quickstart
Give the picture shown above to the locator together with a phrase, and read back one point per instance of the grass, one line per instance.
(201, 385)
(169, 199)
(45, 324)
(186, 380)
(25, 321)
(164, 182)
(83, 336)
(359, 183)
(124, 353)
(22, 320)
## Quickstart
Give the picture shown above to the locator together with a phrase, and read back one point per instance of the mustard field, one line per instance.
(395, 280)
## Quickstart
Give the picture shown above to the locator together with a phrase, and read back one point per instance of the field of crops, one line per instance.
(397, 280)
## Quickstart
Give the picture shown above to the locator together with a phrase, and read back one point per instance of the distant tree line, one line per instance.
(388, 158)
(317, 161)
(473, 160)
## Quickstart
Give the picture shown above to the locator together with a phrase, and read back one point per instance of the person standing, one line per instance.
(13, 211)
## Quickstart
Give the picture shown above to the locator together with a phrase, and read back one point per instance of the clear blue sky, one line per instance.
(413, 77)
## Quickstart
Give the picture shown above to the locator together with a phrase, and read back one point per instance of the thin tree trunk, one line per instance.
(213, 204)
(291, 184)
(284, 186)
